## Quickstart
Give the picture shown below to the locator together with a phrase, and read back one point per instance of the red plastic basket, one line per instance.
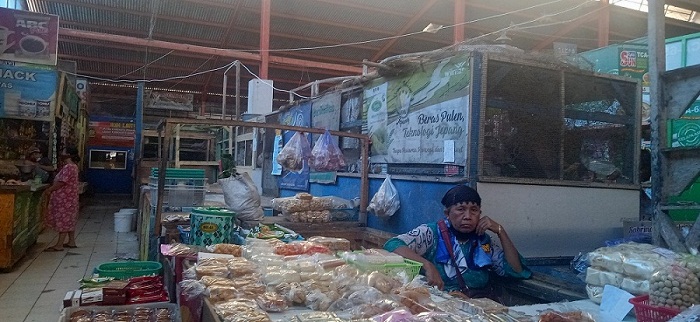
(649, 313)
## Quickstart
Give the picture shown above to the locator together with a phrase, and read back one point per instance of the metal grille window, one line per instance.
(522, 125)
(548, 124)
(599, 136)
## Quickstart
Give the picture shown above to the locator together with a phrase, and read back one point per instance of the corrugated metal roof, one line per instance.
(235, 24)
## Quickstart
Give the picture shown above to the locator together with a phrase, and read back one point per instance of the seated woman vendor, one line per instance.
(459, 242)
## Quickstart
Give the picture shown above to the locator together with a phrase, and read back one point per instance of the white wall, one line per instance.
(255, 175)
(545, 221)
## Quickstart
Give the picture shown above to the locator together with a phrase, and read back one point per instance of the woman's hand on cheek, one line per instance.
(485, 224)
(433, 276)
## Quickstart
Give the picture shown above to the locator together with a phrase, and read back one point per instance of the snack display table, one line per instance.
(585, 306)
(21, 220)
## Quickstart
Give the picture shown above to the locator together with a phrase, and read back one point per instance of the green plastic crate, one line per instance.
(125, 270)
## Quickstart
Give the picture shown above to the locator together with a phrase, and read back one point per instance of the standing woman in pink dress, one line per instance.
(63, 201)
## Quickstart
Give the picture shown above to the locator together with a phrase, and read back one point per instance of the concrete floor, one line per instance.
(33, 289)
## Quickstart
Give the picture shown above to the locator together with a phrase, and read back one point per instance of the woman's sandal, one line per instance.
(53, 249)
(70, 246)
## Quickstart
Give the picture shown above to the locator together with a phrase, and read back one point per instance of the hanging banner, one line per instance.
(299, 115)
(410, 118)
(350, 118)
(350, 110)
(276, 147)
(81, 87)
(168, 100)
(375, 109)
(28, 37)
(27, 91)
(325, 114)
(111, 134)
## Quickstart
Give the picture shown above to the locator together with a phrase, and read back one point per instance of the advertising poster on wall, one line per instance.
(169, 100)
(27, 91)
(634, 62)
(409, 119)
(28, 37)
(111, 134)
(325, 114)
(299, 115)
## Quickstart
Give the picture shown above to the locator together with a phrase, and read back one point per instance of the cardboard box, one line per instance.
(630, 226)
(68, 299)
(114, 296)
(91, 296)
(76, 298)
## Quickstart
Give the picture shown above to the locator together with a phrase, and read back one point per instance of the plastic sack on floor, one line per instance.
(241, 195)
(294, 153)
(385, 202)
(326, 155)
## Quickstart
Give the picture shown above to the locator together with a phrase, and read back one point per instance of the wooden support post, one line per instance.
(165, 154)
(364, 182)
(177, 145)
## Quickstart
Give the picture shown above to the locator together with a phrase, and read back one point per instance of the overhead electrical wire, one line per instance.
(523, 25)
(512, 27)
(147, 64)
(196, 69)
(273, 87)
(133, 81)
(408, 34)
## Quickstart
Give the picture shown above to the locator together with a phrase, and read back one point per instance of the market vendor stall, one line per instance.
(260, 282)
(21, 220)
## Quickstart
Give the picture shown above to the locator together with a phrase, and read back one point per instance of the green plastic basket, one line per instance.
(178, 173)
(125, 270)
(411, 267)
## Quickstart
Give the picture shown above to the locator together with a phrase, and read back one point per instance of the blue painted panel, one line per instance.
(420, 201)
(111, 181)
(106, 180)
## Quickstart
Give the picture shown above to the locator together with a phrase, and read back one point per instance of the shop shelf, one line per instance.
(125, 270)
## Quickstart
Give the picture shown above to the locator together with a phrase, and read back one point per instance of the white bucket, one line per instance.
(122, 222)
(133, 212)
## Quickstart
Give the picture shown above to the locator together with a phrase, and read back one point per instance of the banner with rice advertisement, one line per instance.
(418, 117)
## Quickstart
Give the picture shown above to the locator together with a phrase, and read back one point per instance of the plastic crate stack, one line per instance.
(183, 187)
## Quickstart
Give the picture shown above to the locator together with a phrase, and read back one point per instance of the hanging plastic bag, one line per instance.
(294, 153)
(326, 155)
(241, 195)
(385, 202)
